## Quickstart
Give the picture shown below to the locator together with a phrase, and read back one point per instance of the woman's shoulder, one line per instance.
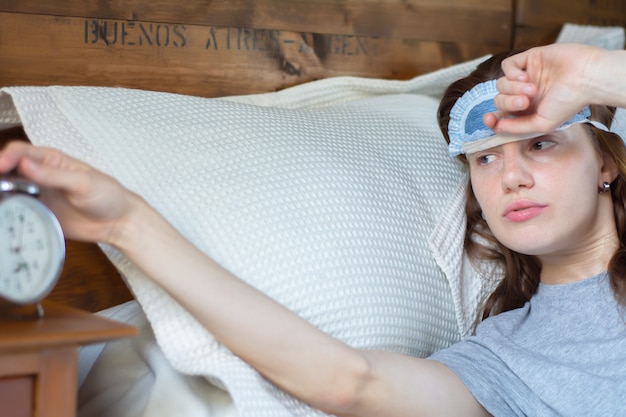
(505, 321)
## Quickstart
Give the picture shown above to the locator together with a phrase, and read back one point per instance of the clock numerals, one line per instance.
(31, 248)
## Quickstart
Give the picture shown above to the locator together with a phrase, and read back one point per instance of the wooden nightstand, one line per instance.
(39, 359)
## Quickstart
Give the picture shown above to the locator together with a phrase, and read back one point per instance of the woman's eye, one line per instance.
(541, 145)
(485, 159)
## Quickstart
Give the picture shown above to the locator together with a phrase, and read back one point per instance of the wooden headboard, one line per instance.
(214, 48)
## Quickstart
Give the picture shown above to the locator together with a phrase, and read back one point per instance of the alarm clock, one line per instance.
(32, 245)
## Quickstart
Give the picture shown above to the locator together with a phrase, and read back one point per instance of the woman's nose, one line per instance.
(515, 170)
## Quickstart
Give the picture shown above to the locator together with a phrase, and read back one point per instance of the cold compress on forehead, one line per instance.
(468, 133)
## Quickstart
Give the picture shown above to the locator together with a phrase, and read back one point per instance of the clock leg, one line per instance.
(39, 310)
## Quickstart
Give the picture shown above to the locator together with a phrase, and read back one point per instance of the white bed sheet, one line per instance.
(132, 378)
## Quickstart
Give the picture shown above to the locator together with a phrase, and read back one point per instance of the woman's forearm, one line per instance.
(285, 348)
(607, 78)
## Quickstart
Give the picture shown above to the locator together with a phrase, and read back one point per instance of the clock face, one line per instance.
(32, 249)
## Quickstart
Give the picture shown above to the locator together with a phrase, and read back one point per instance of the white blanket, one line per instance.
(347, 211)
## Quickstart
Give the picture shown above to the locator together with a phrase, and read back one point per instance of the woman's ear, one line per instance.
(609, 170)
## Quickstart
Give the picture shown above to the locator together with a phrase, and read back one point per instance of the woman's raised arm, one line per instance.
(545, 86)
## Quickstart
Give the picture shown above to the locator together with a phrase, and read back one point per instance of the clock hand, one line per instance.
(22, 266)
(20, 235)
(18, 249)
(17, 233)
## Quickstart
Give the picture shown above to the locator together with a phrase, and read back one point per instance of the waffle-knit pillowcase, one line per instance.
(328, 210)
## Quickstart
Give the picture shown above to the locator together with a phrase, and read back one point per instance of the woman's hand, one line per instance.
(89, 204)
(544, 86)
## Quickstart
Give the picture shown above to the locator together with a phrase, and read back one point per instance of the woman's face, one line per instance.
(540, 196)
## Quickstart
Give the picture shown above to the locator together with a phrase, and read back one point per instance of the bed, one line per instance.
(262, 53)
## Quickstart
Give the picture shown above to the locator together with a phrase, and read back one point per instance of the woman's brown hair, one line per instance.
(521, 272)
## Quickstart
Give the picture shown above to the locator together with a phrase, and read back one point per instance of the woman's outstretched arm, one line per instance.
(289, 351)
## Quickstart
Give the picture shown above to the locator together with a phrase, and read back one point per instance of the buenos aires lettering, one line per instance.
(125, 33)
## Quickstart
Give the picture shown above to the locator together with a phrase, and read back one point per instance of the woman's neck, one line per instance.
(579, 264)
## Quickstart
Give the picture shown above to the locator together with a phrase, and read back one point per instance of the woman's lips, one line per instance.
(522, 210)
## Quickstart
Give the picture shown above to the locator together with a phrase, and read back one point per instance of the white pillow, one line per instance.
(328, 210)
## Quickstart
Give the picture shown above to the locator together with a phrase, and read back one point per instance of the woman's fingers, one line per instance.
(514, 96)
(515, 66)
(49, 168)
(513, 99)
(87, 202)
(491, 119)
(524, 124)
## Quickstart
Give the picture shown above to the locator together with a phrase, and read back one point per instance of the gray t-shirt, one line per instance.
(562, 354)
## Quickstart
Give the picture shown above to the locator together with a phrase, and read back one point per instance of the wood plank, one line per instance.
(61, 326)
(470, 21)
(539, 21)
(203, 60)
(55, 392)
(19, 364)
(527, 37)
(16, 396)
(89, 281)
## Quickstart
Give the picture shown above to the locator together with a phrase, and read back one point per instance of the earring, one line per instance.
(605, 188)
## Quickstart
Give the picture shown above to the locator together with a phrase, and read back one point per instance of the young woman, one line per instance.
(550, 209)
